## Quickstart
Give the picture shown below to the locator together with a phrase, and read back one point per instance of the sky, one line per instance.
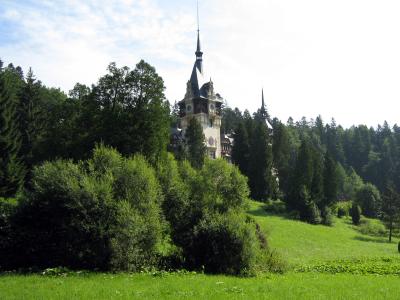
(336, 59)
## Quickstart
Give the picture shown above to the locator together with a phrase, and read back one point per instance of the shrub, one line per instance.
(368, 197)
(372, 227)
(222, 186)
(355, 214)
(275, 206)
(398, 247)
(102, 214)
(342, 208)
(7, 234)
(224, 243)
(341, 212)
(311, 213)
(326, 216)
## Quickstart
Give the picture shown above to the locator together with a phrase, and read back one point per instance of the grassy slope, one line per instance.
(302, 243)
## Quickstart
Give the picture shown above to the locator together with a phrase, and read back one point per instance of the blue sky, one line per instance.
(336, 58)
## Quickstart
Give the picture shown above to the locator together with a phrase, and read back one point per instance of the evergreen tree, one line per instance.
(241, 148)
(281, 150)
(317, 183)
(261, 179)
(355, 213)
(331, 181)
(12, 171)
(301, 178)
(390, 208)
(195, 143)
(29, 121)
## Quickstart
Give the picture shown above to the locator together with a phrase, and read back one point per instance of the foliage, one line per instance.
(326, 216)
(12, 170)
(224, 244)
(104, 214)
(355, 213)
(372, 227)
(342, 208)
(241, 149)
(275, 206)
(368, 197)
(390, 208)
(194, 137)
(377, 266)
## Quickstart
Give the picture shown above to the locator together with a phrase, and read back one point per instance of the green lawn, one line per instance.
(302, 243)
(322, 257)
(123, 286)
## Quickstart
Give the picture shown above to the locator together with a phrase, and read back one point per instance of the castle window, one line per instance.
(210, 123)
(188, 108)
(211, 153)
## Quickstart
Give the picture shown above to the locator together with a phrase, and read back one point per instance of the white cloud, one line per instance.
(335, 58)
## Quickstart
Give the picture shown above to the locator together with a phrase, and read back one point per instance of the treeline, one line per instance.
(126, 109)
(318, 164)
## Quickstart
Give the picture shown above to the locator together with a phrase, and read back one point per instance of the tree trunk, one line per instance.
(390, 231)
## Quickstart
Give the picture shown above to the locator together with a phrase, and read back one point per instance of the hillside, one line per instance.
(301, 243)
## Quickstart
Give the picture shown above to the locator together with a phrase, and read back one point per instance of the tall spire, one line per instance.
(263, 103)
(199, 53)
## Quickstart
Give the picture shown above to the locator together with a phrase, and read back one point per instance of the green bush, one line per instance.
(224, 243)
(372, 227)
(326, 216)
(342, 208)
(102, 214)
(311, 213)
(275, 206)
(7, 234)
(355, 213)
(368, 197)
(341, 212)
(398, 247)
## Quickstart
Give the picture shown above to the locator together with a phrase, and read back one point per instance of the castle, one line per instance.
(201, 102)
(204, 104)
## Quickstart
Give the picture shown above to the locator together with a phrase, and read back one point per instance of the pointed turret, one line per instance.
(264, 112)
(199, 54)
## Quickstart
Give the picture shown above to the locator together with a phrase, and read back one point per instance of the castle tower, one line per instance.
(202, 103)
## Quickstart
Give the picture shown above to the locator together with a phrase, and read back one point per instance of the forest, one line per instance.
(88, 180)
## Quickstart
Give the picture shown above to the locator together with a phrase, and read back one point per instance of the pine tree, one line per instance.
(261, 180)
(241, 148)
(29, 120)
(331, 180)
(281, 153)
(391, 208)
(11, 168)
(195, 143)
(301, 178)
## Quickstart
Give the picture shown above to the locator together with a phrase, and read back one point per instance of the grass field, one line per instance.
(122, 286)
(302, 243)
(327, 263)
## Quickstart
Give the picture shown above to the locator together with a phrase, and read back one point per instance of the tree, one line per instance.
(241, 149)
(195, 143)
(355, 213)
(29, 121)
(390, 207)
(368, 197)
(331, 181)
(281, 150)
(301, 178)
(261, 179)
(12, 171)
